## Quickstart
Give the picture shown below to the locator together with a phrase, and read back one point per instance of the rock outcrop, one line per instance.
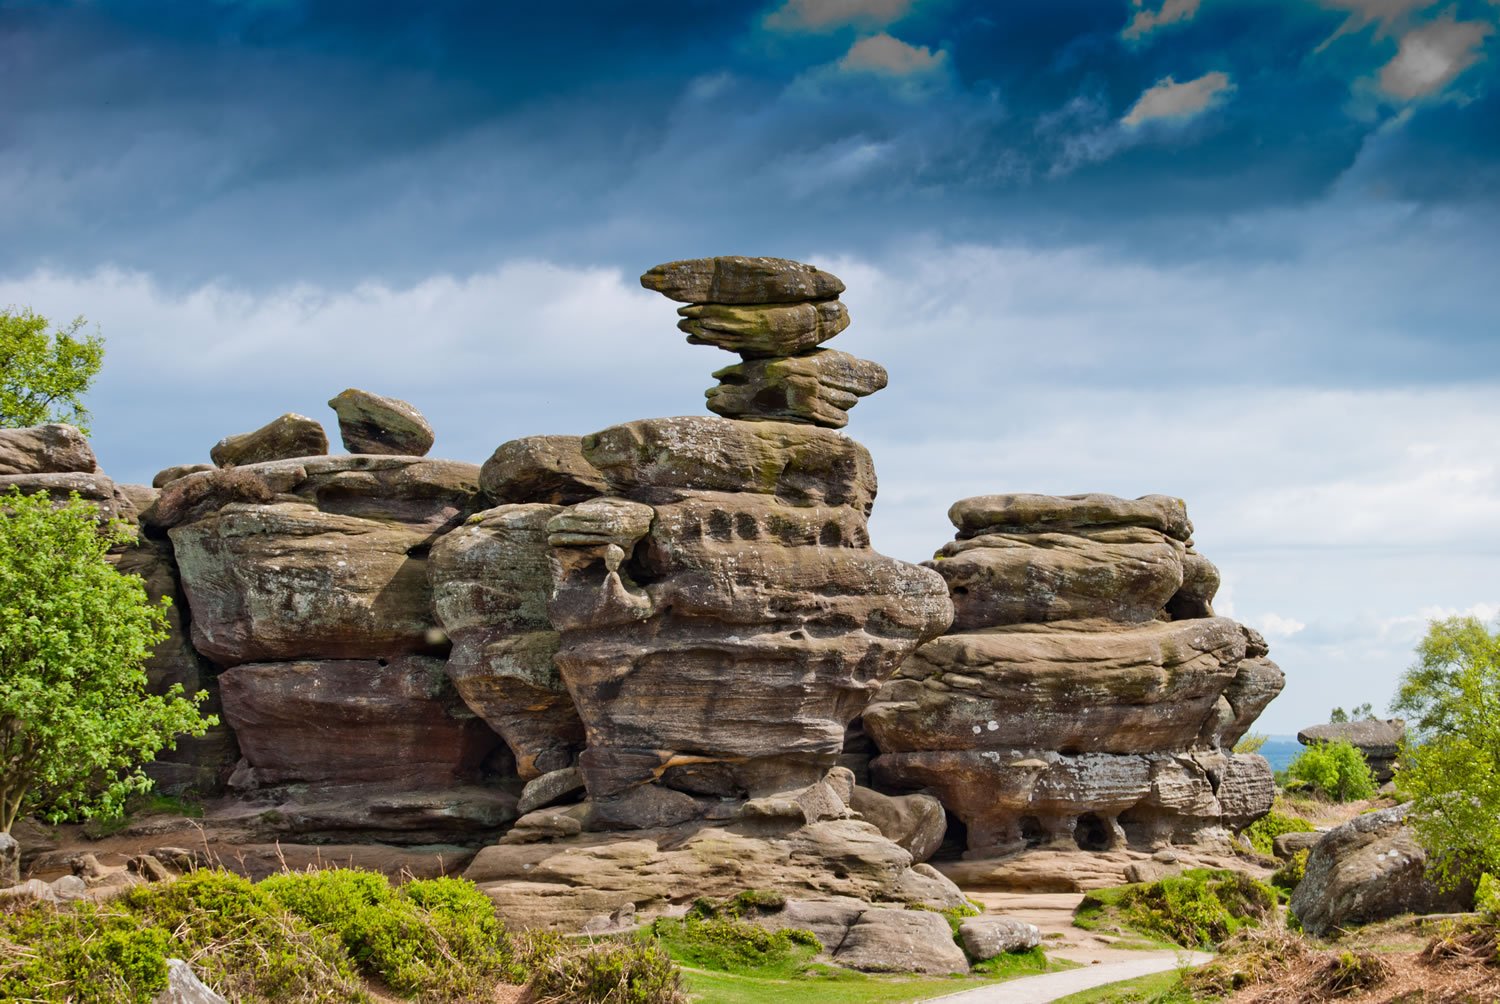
(45, 449)
(369, 423)
(1369, 869)
(1379, 741)
(1069, 706)
(283, 438)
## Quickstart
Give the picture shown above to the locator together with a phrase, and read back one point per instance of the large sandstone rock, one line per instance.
(106, 496)
(1369, 869)
(349, 721)
(370, 423)
(1379, 741)
(46, 449)
(916, 823)
(282, 438)
(547, 469)
(901, 941)
(167, 475)
(314, 558)
(733, 279)
(1072, 705)
(491, 579)
(987, 937)
(764, 330)
(720, 641)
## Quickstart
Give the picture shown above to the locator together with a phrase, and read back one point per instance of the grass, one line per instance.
(822, 985)
(1199, 908)
(1158, 988)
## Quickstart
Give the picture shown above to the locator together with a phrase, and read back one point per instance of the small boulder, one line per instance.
(46, 449)
(916, 822)
(167, 475)
(369, 423)
(284, 438)
(901, 941)
(1370, 868)
(551, 788)
(184, 987)
(987, 937)
(1287, 845)
(548, 469)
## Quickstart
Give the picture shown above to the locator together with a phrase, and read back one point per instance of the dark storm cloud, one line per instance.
(272, 141)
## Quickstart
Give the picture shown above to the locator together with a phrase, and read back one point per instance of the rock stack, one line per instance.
(775, 314)
(1086, 696)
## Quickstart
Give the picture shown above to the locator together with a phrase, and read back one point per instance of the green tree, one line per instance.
(43, 376)
(1450, 762)
(1337, 769)
(76, 722)
(1362, 713)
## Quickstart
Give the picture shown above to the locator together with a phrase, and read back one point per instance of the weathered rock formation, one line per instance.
(1070, 705)
(1369, 869)
(45, 449)
(1379, 741)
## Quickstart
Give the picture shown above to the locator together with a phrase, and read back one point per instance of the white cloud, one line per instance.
(1430, 57)
(824, 15)
(883, 53)
(1147, 20)
(1274, 626)
(1167, 99)
(1387, 15)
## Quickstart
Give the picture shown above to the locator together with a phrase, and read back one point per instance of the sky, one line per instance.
(1244, 252)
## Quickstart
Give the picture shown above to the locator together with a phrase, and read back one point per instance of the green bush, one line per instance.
(611, 972)
(1291, 872)
(1263, 832)
(1199, 908)
(1487, 896)
(1337, 769)
(734, 946)
(86, 954)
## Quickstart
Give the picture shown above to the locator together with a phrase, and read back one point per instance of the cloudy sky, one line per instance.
(1246, 252)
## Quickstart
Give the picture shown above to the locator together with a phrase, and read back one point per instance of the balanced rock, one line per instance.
(283, 438)
(764, 329)
(370, 423)
(733, 279)
(491, 579)
(1068, 706)
(818, 388)
(46, 449)
(1379, 741)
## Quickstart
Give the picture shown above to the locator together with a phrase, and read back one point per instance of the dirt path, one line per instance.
(1041, 989)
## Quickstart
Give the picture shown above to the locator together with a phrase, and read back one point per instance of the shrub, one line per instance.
(611, 972)
(1337, 769)
(1263, 832)
(1199, 908)
(733, 945)
(1291, 872)
(86, 954)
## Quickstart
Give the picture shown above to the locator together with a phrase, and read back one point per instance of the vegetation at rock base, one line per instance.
(610, 972)
(1262, 833)
(1336, 769)
(735, 946)
(76, 722)
(1450, 762)
(1199, 908)
(1292, 871)
(43, 376)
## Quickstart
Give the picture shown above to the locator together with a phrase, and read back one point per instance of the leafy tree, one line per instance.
(1362, 713)
(1450, 762)
(1250, 742)
(42, 376)
(1337, 769)
(76, 722)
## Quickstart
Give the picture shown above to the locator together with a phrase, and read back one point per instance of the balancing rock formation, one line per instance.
(634, 667)
(1086, 695)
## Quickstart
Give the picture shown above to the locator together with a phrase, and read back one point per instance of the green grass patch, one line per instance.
(1013, 965)
(1263, 832)
(1158, 988)
(736, 946)
(822, 985)
(1199, 908)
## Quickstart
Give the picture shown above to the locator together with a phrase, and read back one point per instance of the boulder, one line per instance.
(764, 330)
(399, 722)
(1379, 741)
(545, 469)
(370, 423)
(167, 475)
(183, 987)
(733, 279)
(550, 789)
(818, 388)
(1025, 513)
(917, 823)
(1288, 845)
(901, 941)
(490, 582)
(105, 495)
(986, 937)
(1369, 869)
(282, 438)
(456, 814)
(46, 449)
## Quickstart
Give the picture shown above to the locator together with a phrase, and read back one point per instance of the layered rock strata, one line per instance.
(1070, 705)
(775, 314)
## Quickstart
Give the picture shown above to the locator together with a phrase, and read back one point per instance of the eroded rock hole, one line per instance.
(1092, 833)
(1032, 831)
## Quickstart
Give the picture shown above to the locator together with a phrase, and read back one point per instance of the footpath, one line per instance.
(1051, 986)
